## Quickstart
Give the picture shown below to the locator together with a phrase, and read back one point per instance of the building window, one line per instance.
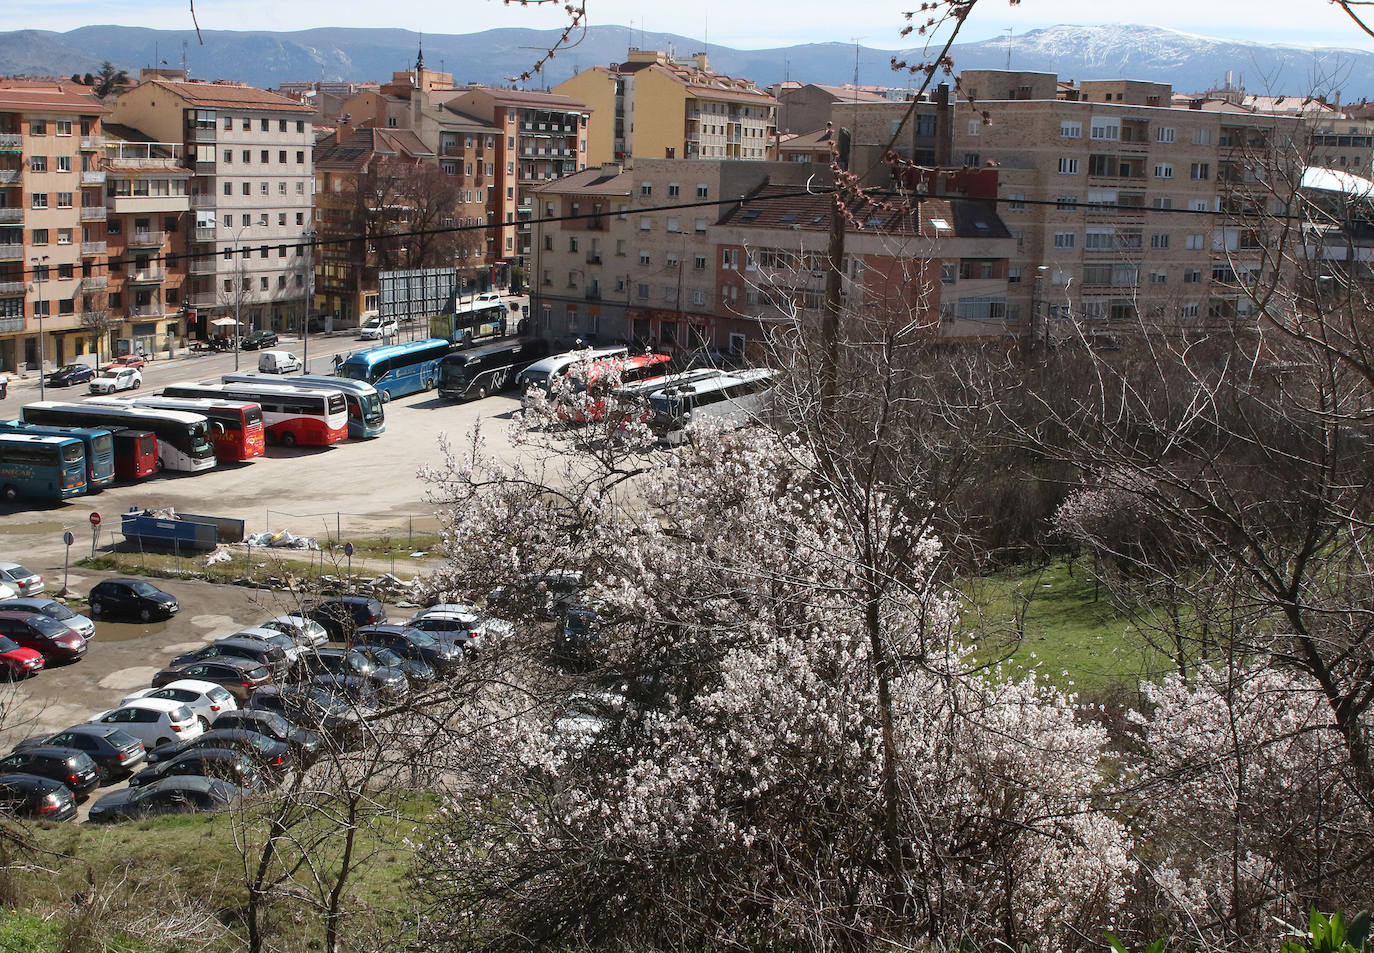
(1164, 134)
(64, 163)
(644, 258)
(1063, 239)
(1070, 130)
(247, 188)
(1066, 203)
(40, 236)
(63, 127)
(642, 291)
(702, 192)
(949, 272)
(673, 190)
(729, 259)
(300, 218)
(262, 283)
(300, 157)
(1199, 170)
(1068, 166)
(281, 218)
(300, 125)
(1194, 242)
(40, 199)
(1159, 241)
(64, 200)
(265, 188)
(646, 223)
(1106, 129)
(1164, 170)
(38, 163)
(228, 188)
(646, 188)
(38, 127)
(64, 237)
(1016, 201)
(247, 155)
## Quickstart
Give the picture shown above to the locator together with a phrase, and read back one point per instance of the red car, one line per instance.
(18, 662)
(126, 360)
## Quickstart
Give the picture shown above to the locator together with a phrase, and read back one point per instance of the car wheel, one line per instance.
(288, 439)
(137, 384)
(96, 608)
(145, 614)
(204, 723)
(11, 493)
(162, 741)
(160, 464)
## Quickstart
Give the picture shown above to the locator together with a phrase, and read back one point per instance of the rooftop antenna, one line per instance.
(1008, 31)
(855, 40)
(185, 70)
(706, 38)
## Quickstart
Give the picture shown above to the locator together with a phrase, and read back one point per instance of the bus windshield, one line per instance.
(372, 408)
(103, 444)
(72, 453)
(356, 372)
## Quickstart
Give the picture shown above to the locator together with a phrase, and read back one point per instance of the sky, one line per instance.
(753, 25)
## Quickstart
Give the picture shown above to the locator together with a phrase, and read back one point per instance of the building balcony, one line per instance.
(151, 275)
(92, 143)
(94, 248)
(9, 176)
(93, 213)
(146, 238)
(10, 142)
(12, 324)
(202, 266)
(145, 311)
(593, 257)
(95, 283)
(11, 216)
(93, 178)
(11, 287)
(203, 133)
(592, 294)
(203, 200)
(205, 233)
(12, 252)
(203, 299)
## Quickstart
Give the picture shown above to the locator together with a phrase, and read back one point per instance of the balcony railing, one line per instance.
(147, 276)
(93, 213)
(11, 287)
(593, 294)
(12, 324)
(9, 176)
(10, 141)
(94, 248)
(143, 238)
(95, 283)
(204, 133)
(145, 311)
(593, 257)
(201, 266)
(92, 178)
(14, 252)
(11, 216)
(202, 200)
(91, 143)
(205, 233)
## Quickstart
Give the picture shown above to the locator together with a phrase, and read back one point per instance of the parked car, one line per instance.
(292, 649)
(377, 328)
(348, 662)
(255, 650)
(486, 297)
(221, 763)
(70, 374)
(267, 753)
(342, 614)
(22, 580)
(41, 799)
(304, 743)
(53, 609)
(238, 676)
(278, 362)
(154, 721)
(135, 361)
(306, 632)
(576, 644)
(18, 662)
(256, 340)
(48, 637)
(114, 751)
(444, 657)
(459, 625)
(67, 766)
(176, 794)
(206, 700)
(418, 674)
(312, 708)
(131, 599)
(357, 692)
(116, 379)
(546, 595)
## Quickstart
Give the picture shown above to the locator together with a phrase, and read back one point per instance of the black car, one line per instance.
(409, 643)
(68, 766)
(69, 374)
(131, 599)
(304, 743)
(42, 799)
(222, 763)
(348, 662)
(577, 642)
(341, 615)
(310, 708)
(258, 339)
(355, 691)
(116, 753)
(254, 650)
(238, 676)
(175, 794)
(270, 755)
(418, 674)
(48, 637)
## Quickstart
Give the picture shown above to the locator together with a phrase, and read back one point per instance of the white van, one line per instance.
(278, 362)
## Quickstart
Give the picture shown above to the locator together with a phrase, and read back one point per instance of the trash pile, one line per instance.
(282, 540)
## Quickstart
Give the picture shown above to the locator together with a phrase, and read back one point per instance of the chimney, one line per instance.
(702, 63)
(944, 126)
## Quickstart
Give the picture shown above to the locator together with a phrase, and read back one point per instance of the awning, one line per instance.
(223, 323)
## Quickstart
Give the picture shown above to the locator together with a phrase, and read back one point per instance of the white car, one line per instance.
(153, 721)
(26, 581)
(486, 297)
(116, 379)
(206, 700)
(306, 632)
(377, 329)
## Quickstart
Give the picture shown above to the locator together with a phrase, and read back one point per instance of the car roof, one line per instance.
(158, 704)
(233, 661)
(252, 632)
(242, 641)
(193, 685)
(25, 779)
(51, 751)
(89, 728)
(36, 603)
(191, 781)
(8, 566)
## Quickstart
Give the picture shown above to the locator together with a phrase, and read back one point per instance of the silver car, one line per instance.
(23, 580)
(56, 611)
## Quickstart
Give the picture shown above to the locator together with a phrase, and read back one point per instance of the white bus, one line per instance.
(183, 439)
(291, 415)
(732, 397)
(541, 374)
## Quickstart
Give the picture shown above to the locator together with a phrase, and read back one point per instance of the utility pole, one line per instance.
(39, 272)
(834, 281)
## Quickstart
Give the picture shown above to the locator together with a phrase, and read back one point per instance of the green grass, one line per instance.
(1068, 626)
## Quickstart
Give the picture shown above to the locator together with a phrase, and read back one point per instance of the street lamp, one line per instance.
(39, 269)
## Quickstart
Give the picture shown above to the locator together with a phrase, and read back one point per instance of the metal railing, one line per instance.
(92, 142)
(95, 283)
(11, 216)
(145, 311)
(95, 248)
(11, 252)
(9, 176)
(92, 178)
(10, 140)
(146, 276)
(145, 237)
(205, 233)
(11, 287)
(93, 213)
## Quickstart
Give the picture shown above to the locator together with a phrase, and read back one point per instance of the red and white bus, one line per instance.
(235, 429)
(291, 415)
(588, 400)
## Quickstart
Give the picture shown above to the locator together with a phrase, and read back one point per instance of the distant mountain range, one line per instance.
(1191, 63)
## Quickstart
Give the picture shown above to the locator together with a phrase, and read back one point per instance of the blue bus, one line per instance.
(366, 419)
(41, 466)
(99, 443)
(397, 369)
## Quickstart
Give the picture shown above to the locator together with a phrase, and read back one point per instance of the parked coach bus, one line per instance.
(397, 369)
(733, 397)
(366, 418)
(292, 415)
(597, 383)
(98, 441)
(135, 454)
(488, 369)
(478, 321)
(541, 374)
(183, 441)
(41, 467)
(236, 427)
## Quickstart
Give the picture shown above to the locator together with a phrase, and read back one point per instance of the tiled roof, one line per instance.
(851, 93)
(593, 181)
(226, 96)
(530, 98)
(768, 208)
(819, 139)
(362, 145)
(52, 98)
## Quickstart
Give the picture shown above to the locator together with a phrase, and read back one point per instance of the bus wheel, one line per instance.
(11, 493)
(288, 439)
(481, 392)
(386, 396)
(429, 384)
(160, 464)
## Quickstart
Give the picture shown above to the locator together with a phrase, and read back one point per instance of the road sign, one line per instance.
(68, 538)
(348, 549)
(95, 519)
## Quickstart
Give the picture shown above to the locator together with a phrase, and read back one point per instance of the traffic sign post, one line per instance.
(95, 531)
(68, 539)
(348, 551)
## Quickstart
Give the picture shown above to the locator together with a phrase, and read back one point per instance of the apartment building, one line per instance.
(147, 214)
(805, 107)
(653, 106)
(1116, 197)
(251, 190)
(50, 246)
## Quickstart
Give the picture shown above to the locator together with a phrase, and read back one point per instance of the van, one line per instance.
(278, 362)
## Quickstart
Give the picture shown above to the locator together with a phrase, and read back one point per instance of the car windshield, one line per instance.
(218, 695)
(384, 656)
(121, 739)
(145, 589)
(7, 645)
(47, 626)
(420, 639)
(56, 610)
(175, 694)
(109, 375)
(68, 368)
